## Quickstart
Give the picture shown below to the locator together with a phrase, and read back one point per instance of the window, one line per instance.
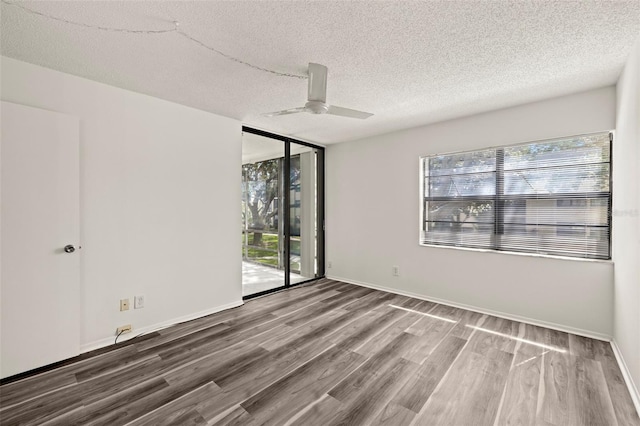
(549, 197)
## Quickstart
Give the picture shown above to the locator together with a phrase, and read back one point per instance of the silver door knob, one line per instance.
(69, 248)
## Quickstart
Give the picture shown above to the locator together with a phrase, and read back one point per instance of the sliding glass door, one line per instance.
(262, 189)
(303, 212)
(282, 212)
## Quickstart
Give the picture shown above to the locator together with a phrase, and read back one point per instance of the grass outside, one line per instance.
(267, 252)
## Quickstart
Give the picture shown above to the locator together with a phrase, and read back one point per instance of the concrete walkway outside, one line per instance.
(257, 278)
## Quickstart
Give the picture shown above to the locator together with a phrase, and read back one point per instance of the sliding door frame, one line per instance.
(286, 216)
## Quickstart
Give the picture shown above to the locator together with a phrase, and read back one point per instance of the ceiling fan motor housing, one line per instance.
(316, 107)
(317, 98)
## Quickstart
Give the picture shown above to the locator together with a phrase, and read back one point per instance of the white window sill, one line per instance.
(513, 253)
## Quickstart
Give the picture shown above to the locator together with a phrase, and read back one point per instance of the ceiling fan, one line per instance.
(317, 98)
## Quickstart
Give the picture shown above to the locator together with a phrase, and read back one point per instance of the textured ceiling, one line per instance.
(409, 63)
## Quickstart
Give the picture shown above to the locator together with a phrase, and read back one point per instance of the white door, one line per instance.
(40, 214)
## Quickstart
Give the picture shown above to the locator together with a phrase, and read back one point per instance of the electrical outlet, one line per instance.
(138, 302)
(395, 270)
(329, 264)
(124, 304)
(124, 329)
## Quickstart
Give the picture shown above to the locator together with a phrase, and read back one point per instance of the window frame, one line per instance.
(499, 197)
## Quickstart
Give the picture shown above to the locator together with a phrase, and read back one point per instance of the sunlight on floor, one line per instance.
(519, 339)
(425, 314)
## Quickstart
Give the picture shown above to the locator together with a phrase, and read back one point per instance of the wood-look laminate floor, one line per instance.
(332, 353)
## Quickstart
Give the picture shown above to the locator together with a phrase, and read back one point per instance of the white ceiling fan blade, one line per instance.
(284, 112)
(346, 112)
(317, 83)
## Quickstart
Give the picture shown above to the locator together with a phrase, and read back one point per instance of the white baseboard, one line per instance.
(155, 327)
(633, 390)
(554, 326)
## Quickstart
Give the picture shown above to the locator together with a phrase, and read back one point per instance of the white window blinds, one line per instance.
(548, 197)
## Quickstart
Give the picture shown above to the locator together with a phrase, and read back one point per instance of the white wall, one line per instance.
(373, 220)
(159, 216)
(626, 219)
